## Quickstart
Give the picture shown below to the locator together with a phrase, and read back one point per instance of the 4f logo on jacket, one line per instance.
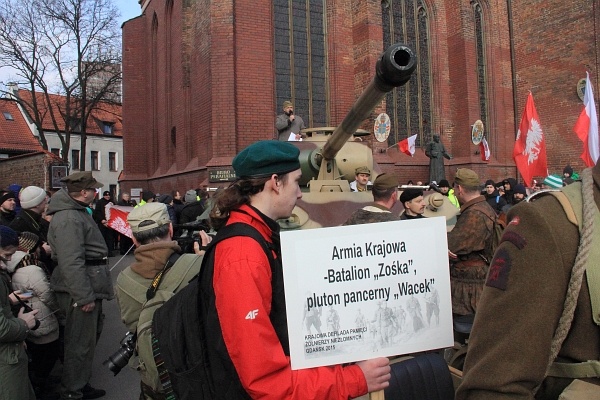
(252, 314)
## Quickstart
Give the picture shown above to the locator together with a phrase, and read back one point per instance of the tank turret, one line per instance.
(393, 69)
(328, 166)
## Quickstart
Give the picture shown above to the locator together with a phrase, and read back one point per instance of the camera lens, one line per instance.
(120, 358)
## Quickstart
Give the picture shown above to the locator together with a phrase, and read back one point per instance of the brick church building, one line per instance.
(203, 79)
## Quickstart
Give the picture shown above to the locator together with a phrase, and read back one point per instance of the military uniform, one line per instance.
(369, 214)
(470, 240)
(521, 305)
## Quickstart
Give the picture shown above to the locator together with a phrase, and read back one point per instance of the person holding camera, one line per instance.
(14, 380)
(288, 123)
(158, 270)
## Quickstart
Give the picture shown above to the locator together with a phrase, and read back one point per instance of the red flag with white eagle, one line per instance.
(484, 150)
(586, 126)
(407, 146)
(529, 152)
(117, 218)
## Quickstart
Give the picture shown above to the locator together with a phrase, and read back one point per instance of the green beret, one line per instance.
(467, 177)
(410, 194)
(385, 182)
(265, 158)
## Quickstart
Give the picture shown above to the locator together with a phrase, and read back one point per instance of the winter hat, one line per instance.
(520, 189)
(8, 237)
(568, 170)
(147, 195)
(190, 196)
(5, 195)
(444, 183)
(554, 181)
(28, 241)
(32, 196)
(165, 198)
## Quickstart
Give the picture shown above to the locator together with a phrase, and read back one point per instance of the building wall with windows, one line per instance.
(105, 148)
(203, 79)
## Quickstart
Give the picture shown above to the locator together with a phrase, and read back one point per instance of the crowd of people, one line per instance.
(54, 251)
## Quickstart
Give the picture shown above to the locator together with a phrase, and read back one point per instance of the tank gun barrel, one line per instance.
(393, 69)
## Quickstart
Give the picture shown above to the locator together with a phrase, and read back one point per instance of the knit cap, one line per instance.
(31, 196)
(190, 196)
(28, 241)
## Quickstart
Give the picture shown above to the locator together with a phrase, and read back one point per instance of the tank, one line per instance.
(328, 161)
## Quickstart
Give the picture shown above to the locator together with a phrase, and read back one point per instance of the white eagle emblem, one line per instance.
(533, 139)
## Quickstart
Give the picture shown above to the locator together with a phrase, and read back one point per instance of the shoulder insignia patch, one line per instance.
(514, 238)
(499, 270)
(515, 220)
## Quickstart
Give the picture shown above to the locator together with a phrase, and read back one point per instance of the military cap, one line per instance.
(466, 177)
(385, 182)
(410, 194)
(362, 170)
(156, 213)
(265, 158)
(81, 180)
(287, 104)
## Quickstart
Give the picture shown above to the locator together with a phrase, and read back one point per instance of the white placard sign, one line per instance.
(364, 291)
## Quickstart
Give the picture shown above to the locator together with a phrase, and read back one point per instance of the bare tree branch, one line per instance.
(74, 52)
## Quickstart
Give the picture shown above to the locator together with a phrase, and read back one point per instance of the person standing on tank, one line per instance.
(288, 123)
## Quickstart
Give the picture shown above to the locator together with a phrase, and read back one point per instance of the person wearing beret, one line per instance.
(413, 202)
(525, 294)
(469, 243)
(288, 123)
(81, 279)
(361, 179)
(7, 207)
(385, 195)
(250, 359)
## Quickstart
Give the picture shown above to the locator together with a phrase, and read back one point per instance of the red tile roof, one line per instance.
(104, 112)
(15, 135)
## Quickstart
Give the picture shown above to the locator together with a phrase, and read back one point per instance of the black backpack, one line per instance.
(179, 342)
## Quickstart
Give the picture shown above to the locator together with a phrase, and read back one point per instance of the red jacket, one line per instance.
(242, 284)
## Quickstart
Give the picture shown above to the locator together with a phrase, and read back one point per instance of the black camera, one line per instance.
(190, 233)
(120, 358)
